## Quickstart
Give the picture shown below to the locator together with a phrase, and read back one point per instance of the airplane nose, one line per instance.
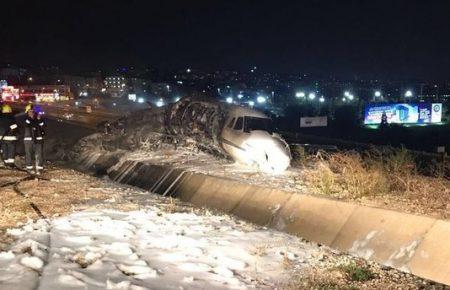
(269, 153)
(278, 158)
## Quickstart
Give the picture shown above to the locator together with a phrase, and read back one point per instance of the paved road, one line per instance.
(76, 115)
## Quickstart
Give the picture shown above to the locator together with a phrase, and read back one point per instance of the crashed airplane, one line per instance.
(249, 138)
(244, 134)
(220, 129)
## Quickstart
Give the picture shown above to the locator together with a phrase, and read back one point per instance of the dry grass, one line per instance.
(392, 175)
(12, 208)
(356, 176)
(324, 178)
(346, 172)
(299, 156)
(65, 191)
(341, 272)
(400, 168)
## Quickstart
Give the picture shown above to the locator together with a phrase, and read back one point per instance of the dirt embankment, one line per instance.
(390, 179)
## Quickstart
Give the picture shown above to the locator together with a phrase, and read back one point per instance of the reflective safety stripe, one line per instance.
(39, 167)
(29, 167)
(9, 161)
(13, 126)
(27, 121)
(39, 138)
(9, 138)
(28, 139)
(41, 124)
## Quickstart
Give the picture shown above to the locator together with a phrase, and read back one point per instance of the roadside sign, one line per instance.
(313, 122)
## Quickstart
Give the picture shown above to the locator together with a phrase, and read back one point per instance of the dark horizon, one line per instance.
(383, 40)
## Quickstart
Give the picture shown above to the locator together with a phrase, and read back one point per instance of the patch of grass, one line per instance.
(299, 156)
(401, 167)
(374, 173)
(325, 285)
(318, 281)
(357, 273)
(358, 177)
(325, 179)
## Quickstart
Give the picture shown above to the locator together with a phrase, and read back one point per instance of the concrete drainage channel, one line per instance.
(416, 244)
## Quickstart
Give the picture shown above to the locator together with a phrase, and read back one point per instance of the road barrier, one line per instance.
(416, 244)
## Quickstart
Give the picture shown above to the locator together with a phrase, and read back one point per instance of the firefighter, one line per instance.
(28, 107)
(34, 131)
(8, 135)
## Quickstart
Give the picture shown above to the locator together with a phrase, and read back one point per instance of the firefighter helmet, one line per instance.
(28, 107)
(6, 109)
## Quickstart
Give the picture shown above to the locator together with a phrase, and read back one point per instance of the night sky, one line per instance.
(370, 39)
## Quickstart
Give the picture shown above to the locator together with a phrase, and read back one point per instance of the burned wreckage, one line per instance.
(243, 134)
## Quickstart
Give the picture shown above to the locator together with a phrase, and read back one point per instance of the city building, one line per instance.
(116, 86)
(45, 93)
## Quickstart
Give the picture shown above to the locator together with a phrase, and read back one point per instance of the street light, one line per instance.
(229, 100)
(377, 94)
(321, 99)
(240, 96)
(261, 99)
(299, 94)
(312, 96)
(408, 94)
(348, 95)
(251, 103)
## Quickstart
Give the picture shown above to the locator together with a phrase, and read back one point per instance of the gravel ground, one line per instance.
(299, 264)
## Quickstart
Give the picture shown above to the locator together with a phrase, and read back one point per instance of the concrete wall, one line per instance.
(416, 244)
